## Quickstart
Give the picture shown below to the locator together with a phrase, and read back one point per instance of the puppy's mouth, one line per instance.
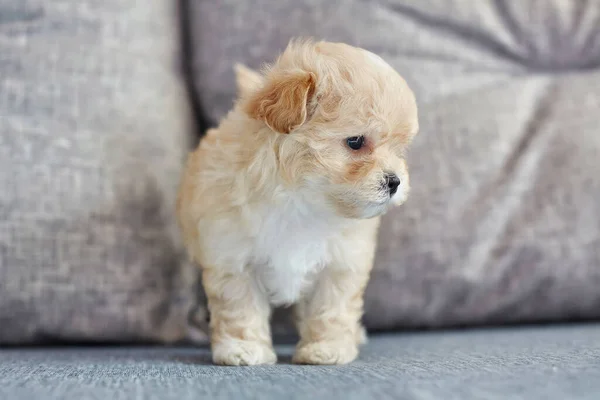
(384, 198)
(381, 202)
(375, 209)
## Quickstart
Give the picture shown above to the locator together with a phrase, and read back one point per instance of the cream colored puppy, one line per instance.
(280, 204)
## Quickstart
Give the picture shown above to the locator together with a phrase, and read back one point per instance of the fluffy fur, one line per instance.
(278, 210)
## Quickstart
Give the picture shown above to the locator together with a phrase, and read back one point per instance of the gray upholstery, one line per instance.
(93, 131)
(502, 224)
(508, 364)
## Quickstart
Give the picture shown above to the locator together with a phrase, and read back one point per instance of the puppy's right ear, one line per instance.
(283, 101)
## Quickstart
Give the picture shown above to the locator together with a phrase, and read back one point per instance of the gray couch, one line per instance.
(100, 100)
(554, 363)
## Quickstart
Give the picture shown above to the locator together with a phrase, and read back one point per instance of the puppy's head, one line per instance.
(341, 119)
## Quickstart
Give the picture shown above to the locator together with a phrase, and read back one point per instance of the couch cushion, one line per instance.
(527, 364)
(93, 130)
(502, 224)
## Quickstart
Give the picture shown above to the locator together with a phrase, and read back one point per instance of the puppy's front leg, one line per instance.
(329, 319)
(239, 319)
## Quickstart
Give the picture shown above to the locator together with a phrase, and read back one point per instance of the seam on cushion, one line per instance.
(483, 40)
(185, 17)
(486, 43)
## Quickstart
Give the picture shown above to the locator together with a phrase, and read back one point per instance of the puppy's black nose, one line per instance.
(392, 182)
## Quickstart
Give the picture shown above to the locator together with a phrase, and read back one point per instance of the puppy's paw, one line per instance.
(326, 353)
(241, 352)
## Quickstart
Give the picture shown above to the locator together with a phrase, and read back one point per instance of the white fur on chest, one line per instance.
(290, 248)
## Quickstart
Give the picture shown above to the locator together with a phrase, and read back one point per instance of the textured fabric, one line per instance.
(529, 364)
(93, 130)
(502, 224)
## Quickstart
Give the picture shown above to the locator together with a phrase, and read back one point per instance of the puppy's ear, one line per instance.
(247, 80)
(282, 102)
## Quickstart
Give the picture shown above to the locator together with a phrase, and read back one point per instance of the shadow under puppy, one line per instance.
(280, 204)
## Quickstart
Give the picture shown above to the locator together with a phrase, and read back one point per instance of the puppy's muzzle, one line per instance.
(391, 183)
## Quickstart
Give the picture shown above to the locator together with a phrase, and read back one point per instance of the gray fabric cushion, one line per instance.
(93, 130)
(502, 224)
(529, 364)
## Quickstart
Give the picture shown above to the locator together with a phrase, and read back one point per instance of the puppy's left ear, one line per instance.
(246, 79)
(282, 102)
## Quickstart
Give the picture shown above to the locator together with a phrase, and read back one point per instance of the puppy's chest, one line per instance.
(290, 249)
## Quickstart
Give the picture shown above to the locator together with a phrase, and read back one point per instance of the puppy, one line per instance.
(280, 204)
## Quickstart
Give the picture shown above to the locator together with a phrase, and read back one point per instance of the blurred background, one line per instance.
(100, 101)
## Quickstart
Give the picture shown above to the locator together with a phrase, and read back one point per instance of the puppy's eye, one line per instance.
(355, 142)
